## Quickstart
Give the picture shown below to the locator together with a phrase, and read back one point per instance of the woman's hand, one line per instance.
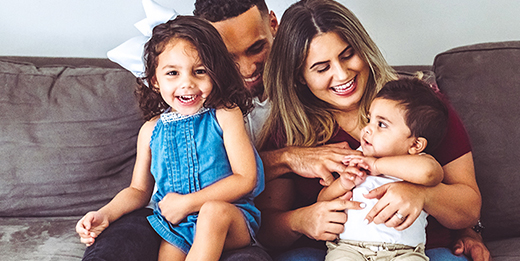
(90, 226)
(175, 207)
(325, 220)
(399, 205)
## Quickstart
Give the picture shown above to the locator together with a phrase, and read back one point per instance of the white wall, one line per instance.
(407, 31)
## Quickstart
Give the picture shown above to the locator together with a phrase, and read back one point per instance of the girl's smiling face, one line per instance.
(181, 77)
(334, 72)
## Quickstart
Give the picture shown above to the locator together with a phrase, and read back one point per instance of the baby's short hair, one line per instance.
(426, 113)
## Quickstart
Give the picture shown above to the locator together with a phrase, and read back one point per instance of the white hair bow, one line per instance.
(130, 53)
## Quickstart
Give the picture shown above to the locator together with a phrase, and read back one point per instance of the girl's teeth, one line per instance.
(187, 98)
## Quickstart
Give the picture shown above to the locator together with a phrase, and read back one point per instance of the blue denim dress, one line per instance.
(188, 155)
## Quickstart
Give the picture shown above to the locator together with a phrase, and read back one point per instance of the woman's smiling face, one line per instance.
(334, 72)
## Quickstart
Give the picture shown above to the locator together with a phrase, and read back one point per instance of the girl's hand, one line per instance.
(396, 199)
(90, 226)
(363, 163)
(175, 207)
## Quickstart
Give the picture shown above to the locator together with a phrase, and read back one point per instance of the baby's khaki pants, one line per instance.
(346, 250)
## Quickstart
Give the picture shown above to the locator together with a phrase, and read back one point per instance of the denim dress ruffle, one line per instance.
(188, 154)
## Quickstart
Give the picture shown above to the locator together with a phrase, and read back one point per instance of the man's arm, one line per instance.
(308, 162)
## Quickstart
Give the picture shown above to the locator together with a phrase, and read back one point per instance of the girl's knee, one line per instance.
(216, 210)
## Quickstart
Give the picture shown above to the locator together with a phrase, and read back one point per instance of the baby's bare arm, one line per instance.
(343, 184)
(421, 169)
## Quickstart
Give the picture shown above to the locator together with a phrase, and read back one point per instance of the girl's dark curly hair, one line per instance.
(229, 89)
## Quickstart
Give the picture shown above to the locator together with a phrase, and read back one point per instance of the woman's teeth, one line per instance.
(345, 86)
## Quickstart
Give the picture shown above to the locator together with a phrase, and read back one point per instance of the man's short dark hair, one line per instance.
(219, 10)
(426, 114)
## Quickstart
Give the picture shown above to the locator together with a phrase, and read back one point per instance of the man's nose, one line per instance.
(247, 67)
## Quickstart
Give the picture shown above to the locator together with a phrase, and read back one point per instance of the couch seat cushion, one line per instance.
(40, 239)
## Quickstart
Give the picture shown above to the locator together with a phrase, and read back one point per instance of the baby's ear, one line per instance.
(418, 146)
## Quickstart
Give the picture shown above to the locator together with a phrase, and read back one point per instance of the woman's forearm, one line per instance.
(456, 202)
(454, 206)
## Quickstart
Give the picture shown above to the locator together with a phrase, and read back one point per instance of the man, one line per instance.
(248, 29)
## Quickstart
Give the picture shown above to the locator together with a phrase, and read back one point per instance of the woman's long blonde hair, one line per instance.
(297, 116)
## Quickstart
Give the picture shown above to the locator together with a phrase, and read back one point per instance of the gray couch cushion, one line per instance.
(483, 83)
(41, 238)
(67, 137)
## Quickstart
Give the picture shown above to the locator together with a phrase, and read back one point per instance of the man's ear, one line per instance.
(273, 23)
(418, 146)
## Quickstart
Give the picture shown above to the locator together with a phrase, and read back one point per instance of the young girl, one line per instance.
(194, 146)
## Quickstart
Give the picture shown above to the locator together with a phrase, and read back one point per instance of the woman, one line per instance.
(322, 74)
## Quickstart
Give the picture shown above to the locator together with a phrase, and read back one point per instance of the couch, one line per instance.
(68, 129)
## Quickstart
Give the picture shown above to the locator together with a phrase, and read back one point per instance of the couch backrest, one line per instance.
(68, 130)
(483, 83)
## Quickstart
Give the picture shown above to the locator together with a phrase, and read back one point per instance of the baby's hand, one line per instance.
(352, 175)
(90, 226)
(362, 163)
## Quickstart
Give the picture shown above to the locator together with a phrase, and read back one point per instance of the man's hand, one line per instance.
(320, 162)
(470, 244)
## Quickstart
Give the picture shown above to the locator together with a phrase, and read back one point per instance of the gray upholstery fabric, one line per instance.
(40, 238)
(483, 83)
(67, 137)
(68, 131)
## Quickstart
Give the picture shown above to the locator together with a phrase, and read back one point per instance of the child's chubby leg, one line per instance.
(168, 252)
(220, 226)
